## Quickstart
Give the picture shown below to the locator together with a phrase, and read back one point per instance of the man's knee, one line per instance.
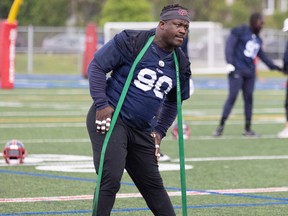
(110, 184)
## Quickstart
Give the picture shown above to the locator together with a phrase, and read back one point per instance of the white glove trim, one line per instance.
(230, 68)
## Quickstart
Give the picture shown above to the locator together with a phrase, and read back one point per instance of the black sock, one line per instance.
(222, 121)
(248, 125)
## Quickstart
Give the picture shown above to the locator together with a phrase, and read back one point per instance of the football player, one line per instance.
(149, 108)
(242, 47)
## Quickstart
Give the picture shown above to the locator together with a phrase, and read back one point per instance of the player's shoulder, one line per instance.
(240, 30)
(132, 41)
(130, 34)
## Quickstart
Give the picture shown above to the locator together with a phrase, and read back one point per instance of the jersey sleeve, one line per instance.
(285, 58)
(166, 117)
(105, 59)
(231, 44)
(229, 48)
(262, 55)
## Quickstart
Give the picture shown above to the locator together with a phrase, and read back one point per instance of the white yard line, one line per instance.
(44, 113)
(81, 140)
(133, 195)
(43, 125)
(273, 157)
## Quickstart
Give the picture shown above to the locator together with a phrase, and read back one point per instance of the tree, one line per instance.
(57, 12)
(5, 6)
(125, 10)
(54, 12)
(229, 15)
(50, 13)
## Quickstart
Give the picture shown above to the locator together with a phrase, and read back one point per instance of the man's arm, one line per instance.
(166, 117)
(104, 61)
(285, 59)
(268, 61)
(229, 52)
(229, 48)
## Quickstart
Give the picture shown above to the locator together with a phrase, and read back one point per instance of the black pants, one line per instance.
(239, 82)
(133, 150)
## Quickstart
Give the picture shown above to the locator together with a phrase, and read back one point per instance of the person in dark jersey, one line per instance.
(242, 46)
(284, 132)
(148, 110)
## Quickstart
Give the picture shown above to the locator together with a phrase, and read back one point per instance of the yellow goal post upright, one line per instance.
(8, 35)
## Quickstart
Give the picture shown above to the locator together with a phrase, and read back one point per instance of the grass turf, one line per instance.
(52, 121)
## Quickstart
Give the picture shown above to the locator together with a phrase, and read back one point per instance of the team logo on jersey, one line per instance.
(161, 63)
(182, 12)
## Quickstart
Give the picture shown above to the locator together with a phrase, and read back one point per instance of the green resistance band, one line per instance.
(180, 139)
(113, 121)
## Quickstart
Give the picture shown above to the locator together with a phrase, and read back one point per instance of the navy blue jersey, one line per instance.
(285, 58)
(242, 47)
(153, 84)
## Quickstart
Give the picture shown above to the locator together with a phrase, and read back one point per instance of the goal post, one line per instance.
(8, 35)
(205, 44)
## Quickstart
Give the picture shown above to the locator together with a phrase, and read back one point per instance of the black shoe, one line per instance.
(250, 133)
(218, 132)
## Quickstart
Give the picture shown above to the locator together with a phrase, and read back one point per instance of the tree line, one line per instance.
(81, 12)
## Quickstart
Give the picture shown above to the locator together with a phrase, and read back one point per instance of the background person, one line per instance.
(284, 132)
(242, 47)
(149, 108)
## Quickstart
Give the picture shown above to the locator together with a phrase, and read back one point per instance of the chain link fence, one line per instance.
(59, 50)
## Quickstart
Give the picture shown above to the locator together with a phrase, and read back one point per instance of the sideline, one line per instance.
(77, 81)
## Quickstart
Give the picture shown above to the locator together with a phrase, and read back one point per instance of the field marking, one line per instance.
(272, 157)
(134, 195)
(81, 118)
(38, 141)
(81, 123)
(207, 113)
(43, 125)
(43, 119)
(168, 138)
(44, 113)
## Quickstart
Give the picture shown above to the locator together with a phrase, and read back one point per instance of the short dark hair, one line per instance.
(255, 17)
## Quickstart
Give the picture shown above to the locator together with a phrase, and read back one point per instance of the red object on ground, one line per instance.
(8, 34)
(90, 47)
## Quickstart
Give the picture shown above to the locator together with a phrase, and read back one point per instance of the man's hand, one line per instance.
(157, 140)
(103, 119)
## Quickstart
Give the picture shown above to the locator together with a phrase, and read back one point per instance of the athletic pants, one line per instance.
(133, 150)
(237, 82)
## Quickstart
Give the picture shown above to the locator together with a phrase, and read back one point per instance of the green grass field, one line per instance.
(50, 63)
(253, 171)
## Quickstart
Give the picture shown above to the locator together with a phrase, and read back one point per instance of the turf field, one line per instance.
(231, 175)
